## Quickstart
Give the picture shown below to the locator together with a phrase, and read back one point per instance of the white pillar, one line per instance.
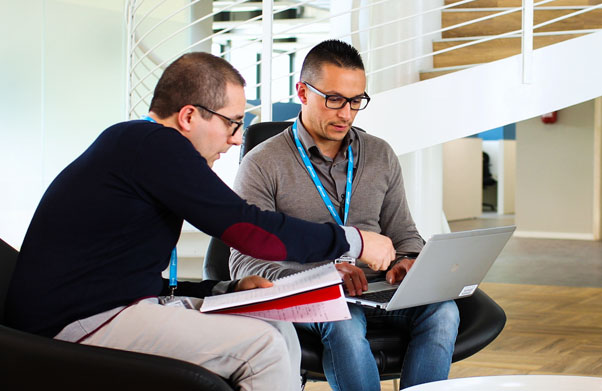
(597, 207)
(266, 61)
(202, 29)
(423, 179)
(527, 41)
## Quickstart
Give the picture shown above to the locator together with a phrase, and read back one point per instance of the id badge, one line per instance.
(345, 259)
(176, 301)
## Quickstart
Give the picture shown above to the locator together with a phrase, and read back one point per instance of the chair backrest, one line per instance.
(258, 133)
(8, 260)
(215, 264)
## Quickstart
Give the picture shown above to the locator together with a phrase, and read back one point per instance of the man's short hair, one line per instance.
(194, 78)
(333, 52)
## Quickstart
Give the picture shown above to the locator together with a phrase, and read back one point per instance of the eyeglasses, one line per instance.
(338, 102)
(231, 122)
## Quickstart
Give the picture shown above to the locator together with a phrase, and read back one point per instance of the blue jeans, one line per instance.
(347, 359)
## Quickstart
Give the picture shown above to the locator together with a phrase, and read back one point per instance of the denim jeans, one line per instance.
(348, 362)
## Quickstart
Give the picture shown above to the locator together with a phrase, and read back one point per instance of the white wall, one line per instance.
(61, 83)
(555, 167)
(463, 178)
(597, 169)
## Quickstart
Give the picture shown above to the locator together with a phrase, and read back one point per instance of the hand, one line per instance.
(252, 282)
(378, 250)
(353, 277)
(399, 271)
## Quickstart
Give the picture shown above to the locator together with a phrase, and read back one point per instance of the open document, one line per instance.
(313, 295)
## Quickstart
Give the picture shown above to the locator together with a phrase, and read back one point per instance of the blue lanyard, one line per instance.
(318, 183)
(173, 270)
(173, 260)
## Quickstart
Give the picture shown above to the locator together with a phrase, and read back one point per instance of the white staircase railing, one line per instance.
(160, 31)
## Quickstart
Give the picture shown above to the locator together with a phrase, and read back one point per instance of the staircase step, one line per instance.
(519, 3)
(511, 22)
(436, 72)
(490, 50)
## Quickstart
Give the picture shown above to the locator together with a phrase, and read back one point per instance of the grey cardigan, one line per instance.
(273, 177)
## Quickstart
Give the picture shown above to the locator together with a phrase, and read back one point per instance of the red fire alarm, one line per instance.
(549, 118)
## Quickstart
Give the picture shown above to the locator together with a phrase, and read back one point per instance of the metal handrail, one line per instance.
(143, 63)
(190, 46)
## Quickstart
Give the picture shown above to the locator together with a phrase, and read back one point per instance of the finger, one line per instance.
(390, 277)
(396, 274)
(349, 285)
(253, 282)
(263, 283)
(357, 283)
(363, 280)
(385, 264)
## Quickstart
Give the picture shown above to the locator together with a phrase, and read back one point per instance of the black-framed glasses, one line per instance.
(231, 122)
(338, 102)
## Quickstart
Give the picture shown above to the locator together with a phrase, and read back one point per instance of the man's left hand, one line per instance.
(252, 282)
(399, 271)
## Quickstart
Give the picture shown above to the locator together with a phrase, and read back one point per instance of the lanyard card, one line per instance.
(176, 301)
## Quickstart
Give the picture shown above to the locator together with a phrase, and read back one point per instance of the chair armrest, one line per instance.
(28, 360)
(481, 321)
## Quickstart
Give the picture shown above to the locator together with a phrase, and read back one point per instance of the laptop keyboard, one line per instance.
(380, 296)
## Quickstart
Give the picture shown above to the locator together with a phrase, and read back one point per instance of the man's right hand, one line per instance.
(378, 250)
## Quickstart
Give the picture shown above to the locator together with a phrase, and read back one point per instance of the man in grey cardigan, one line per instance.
(349, 165)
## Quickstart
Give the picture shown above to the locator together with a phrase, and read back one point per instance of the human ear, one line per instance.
(185, 116)
(302, 92)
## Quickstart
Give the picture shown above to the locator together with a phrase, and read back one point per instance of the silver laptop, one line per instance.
(450, 266)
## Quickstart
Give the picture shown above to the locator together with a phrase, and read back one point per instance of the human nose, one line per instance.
(236, 138)
(345, 111)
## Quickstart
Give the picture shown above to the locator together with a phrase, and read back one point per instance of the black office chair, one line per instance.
(29, 361)
(489, 185)
(481, 318)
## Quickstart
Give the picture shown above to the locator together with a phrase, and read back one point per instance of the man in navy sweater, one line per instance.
(90, 266)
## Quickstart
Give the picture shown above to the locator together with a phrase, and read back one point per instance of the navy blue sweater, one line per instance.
(103, 231)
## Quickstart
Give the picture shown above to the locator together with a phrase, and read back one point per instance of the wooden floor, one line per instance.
(550, 330)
